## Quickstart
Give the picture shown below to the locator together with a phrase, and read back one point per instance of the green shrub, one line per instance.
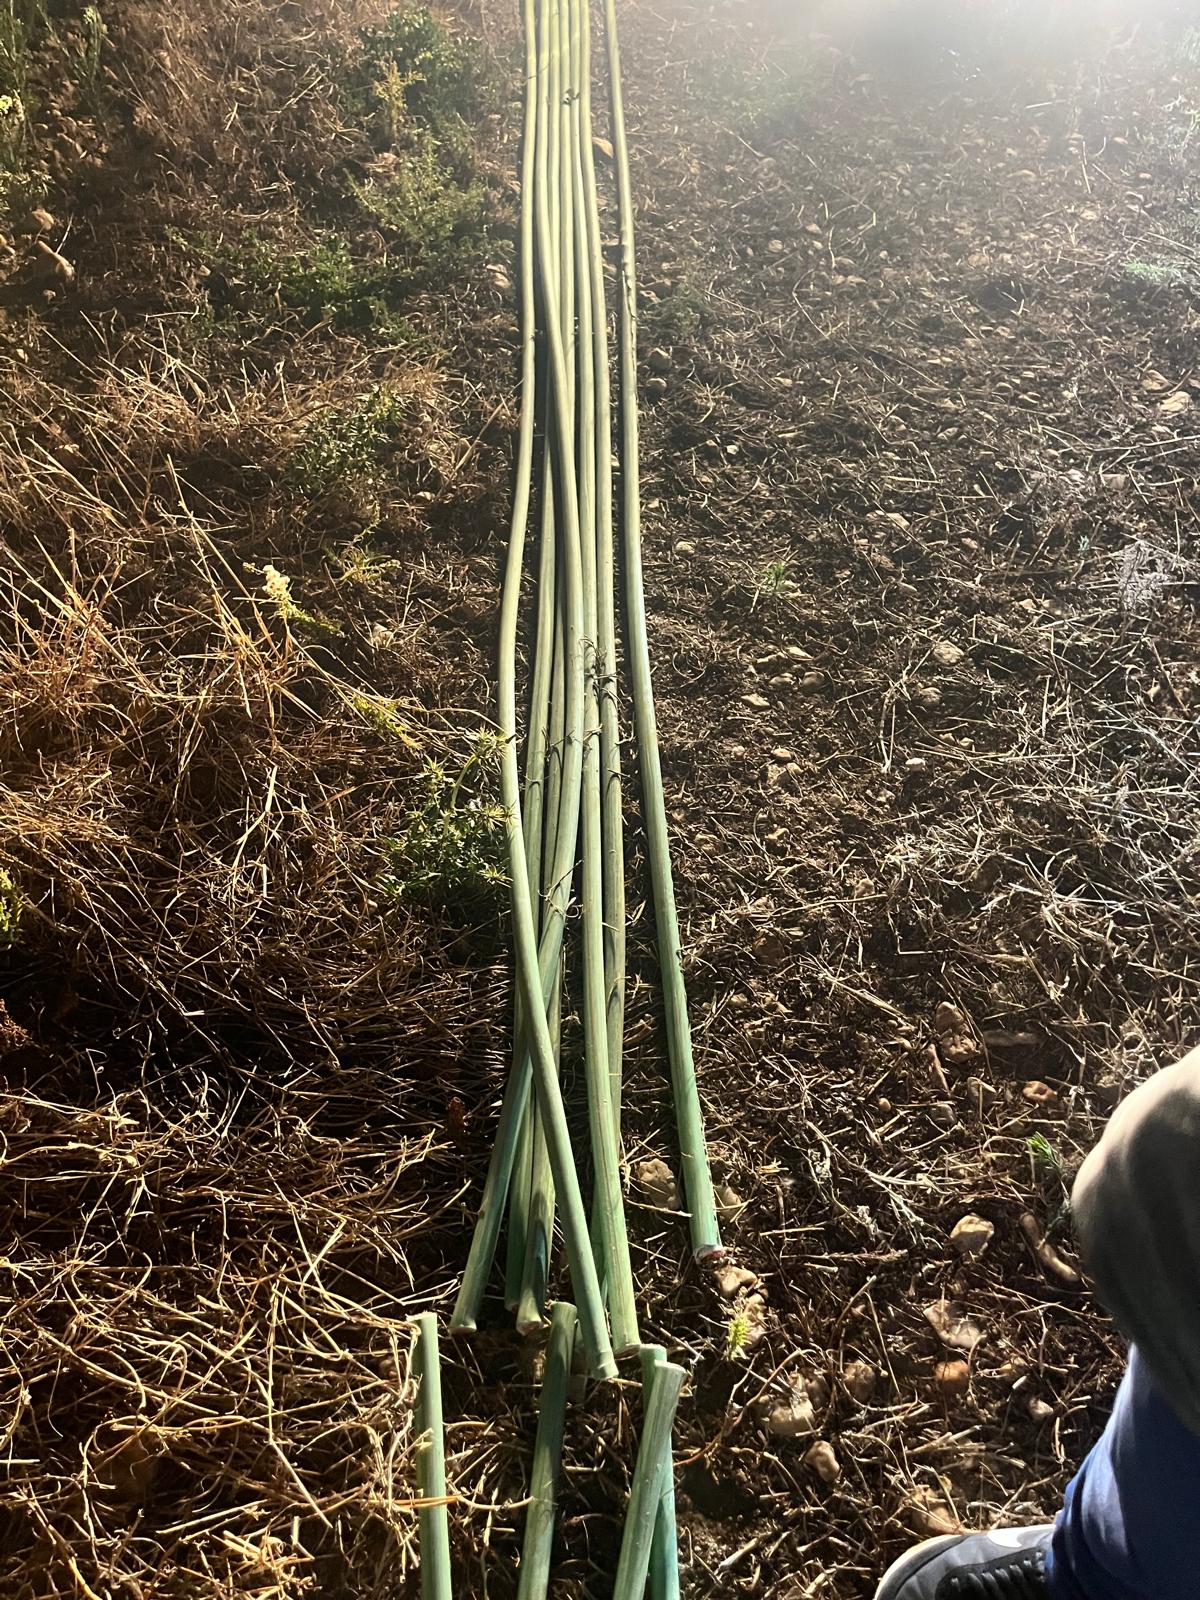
(454, 855)
(342, 445)
(420, 90)
(19, 21)
(426, 214)
(323, 282)
(12, 906)
(411, 70)
(676, 316)
(1158, 274)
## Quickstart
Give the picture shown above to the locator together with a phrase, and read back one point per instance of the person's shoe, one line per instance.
(1007, 1564)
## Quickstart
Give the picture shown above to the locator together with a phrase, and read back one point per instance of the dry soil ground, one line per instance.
(921, 472)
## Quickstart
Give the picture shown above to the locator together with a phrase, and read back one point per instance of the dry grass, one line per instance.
(174, 720)
(225, 1102)
(246, 1090)
(205, 1352)
(235, 1053)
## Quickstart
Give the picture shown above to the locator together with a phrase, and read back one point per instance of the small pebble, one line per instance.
(947, 654)
(792, 1420)
(971, 1235)
(953, 1378)
(732, 1280)
(52, 265)
(755, 1312)
(816, 1388)
(860, 1378)
(930, 1515)
(822, 1458)
(1038, 1093)
(657, 1183)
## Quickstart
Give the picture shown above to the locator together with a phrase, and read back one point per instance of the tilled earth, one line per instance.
(921, 376)
(921, 477)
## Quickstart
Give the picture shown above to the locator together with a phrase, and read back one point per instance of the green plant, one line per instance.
(737, 1331)
(12, 907)
(324, 283)
(327, 283)
(427, 213)
(384, 716)
(363, 566)
(1050, 1176)
(346, 445)
(277, 587)
(1157, 274)
(776, 582)
(1045, 1160)
(453, 853)
(87, 65)
(421, 89)
(411, 68)
(677, 315)
(19, 20)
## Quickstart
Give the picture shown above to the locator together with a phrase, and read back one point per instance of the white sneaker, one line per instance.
(1007, 1564)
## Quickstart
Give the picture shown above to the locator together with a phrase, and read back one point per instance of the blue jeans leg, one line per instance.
(1128, 1529)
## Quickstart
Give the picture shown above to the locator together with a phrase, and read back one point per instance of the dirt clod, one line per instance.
(657, 1182)
(822, 1458)
(971, 1235)
(953, 1326)
(732, 1280)
(860, 1379)
(953, 1379)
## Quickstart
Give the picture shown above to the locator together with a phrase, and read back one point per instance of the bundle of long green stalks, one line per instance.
(565, 806)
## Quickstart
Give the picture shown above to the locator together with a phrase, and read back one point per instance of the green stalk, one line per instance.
(645, 1495)
(536, 1246)
(592, 1323)
(606, 605)
(542, 130)
(614, 1240)
(532, 980)
(697, 1178)
(541, 804)
(539, 1234)
(538, 1544)
(519, 1197)
(514, 1110)
(430, 1453)
(664, 1546)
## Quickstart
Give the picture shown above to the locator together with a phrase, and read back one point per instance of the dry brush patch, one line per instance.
(253, 976)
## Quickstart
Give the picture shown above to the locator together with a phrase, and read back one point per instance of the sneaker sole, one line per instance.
(901, 1570)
